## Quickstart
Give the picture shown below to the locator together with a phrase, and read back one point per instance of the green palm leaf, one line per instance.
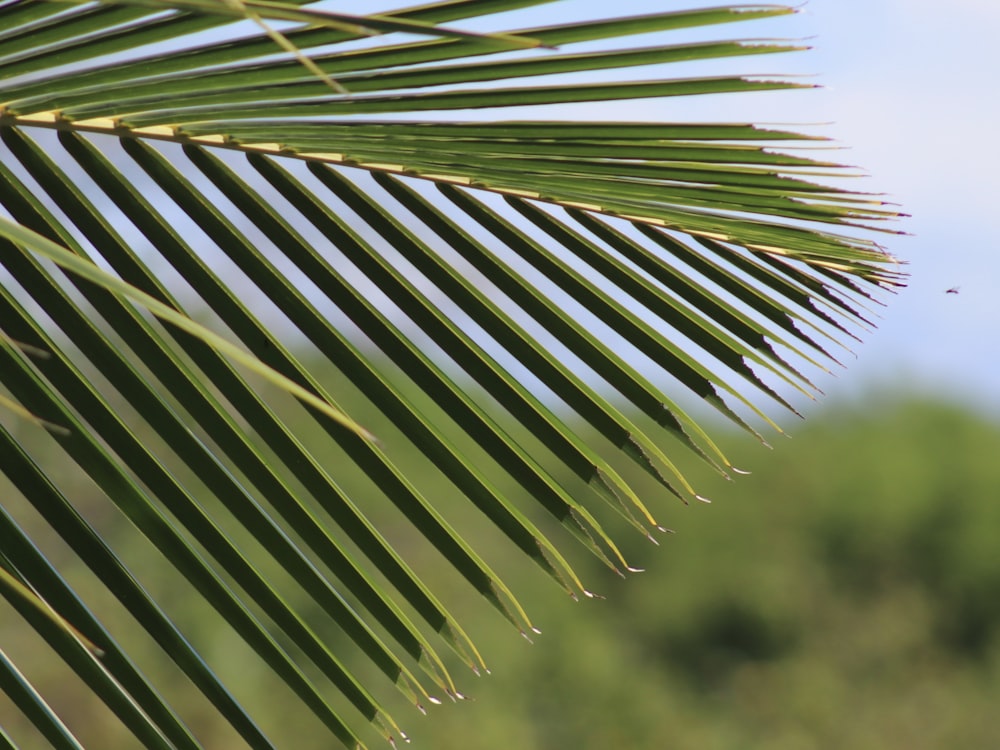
(475, 285)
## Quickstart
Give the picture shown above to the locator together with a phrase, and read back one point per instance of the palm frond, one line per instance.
(507, 298)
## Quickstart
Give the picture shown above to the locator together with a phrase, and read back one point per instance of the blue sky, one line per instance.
(909, 88)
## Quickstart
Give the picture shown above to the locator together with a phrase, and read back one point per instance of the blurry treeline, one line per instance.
(844, 595)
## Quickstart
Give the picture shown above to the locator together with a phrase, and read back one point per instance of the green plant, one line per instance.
(269, 166)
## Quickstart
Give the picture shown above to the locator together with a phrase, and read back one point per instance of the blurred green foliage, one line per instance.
(845, 595)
